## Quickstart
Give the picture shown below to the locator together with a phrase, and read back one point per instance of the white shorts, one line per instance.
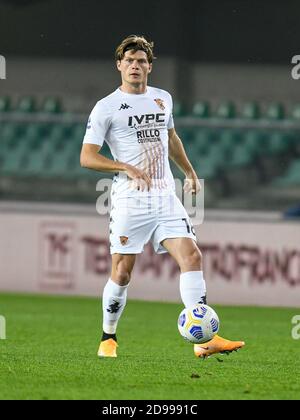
(136, 221)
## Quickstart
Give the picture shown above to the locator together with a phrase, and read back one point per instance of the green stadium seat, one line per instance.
(226, 110)
(279, 143)
(13, 140)
(295, 114)
(207, 169)
(201, 110)
(12, 165)
(185, 133)
(201, 146)
(78, 131)
(5, 104)
(255, 142)
(33, 130)
(59, 131)
(35, 164)
(8, 132)
(216, 156)
(58, 135)
(59, 163)
(228, 140)
(179, 110)
(292, 176)
(52, 106)
(27, 104)
(241, 157)
(275, 112)
(251, 111)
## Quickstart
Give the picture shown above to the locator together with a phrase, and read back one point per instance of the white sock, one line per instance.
(192, 288)
(113, 303)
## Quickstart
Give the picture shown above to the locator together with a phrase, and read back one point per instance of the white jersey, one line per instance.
(135, 127)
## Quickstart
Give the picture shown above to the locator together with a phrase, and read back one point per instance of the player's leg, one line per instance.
(189, 258)
(193, 290)
(114, 301)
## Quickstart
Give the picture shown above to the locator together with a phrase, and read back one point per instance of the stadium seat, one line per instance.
(275, 112)
(185, 133)
(216, 156)
(59, 164)
(12, 165)
(179, 109)
(35, 164)
(292, 176)
(5, 104)
(201, 110)
(228, 140)
(26, 104)
(251, 111)
(207, 168)
(226, 110)
(78, 131)
(33, 130)
(295, 114)
(255, 142)
(52, 106)
(241, 157)
(201, 145)
(8, 132)
(279, 143)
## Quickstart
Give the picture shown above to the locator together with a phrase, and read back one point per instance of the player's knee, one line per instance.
(122, 274)
(192, 261)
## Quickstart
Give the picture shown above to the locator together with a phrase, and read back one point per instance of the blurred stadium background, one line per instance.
(237, 109)
(228, 65)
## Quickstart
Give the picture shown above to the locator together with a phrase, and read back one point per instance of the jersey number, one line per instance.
(189, 228)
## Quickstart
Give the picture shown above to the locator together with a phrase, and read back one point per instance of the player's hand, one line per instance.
(141, 180)
(192, 184)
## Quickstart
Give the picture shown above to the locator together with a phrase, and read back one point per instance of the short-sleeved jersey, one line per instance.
(135, 127)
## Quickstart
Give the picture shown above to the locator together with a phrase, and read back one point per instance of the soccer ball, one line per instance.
(198, 324)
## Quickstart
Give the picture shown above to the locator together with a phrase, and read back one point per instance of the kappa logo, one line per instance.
(124, 106)
(160, 103)
(114, 307)
(123, 240)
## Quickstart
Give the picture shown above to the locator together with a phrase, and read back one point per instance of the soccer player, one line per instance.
(137, 124)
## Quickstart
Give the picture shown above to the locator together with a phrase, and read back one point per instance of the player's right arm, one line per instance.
(97, 128)
(91, 158)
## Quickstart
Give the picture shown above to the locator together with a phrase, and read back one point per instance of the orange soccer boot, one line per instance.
(217, 345)
(108, 348)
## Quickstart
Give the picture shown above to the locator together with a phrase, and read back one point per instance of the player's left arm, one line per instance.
(179, 157)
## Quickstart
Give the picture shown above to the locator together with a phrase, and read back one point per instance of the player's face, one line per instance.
(134, 67)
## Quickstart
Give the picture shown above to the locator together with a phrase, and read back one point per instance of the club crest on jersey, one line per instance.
(160, 103)
(123, 240)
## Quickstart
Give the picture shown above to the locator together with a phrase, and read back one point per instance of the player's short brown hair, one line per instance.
(135, 43)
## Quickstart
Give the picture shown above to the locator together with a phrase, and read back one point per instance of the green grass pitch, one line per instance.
(51, 346)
